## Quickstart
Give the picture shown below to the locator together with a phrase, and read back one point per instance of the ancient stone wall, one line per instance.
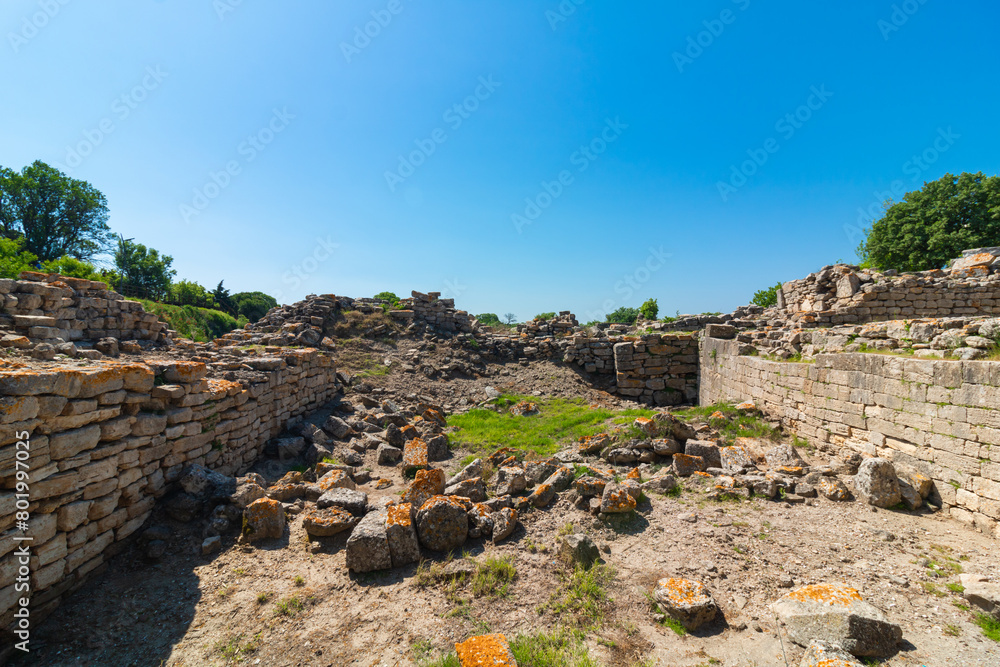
(938, 417)
(46, 307)
(105, 440)
(658, 369)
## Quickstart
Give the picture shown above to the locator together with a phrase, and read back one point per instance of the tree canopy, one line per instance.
(142, 270)
(649, 309)
(53, 214)
(935, 224)
(253, 305)
(623, 315)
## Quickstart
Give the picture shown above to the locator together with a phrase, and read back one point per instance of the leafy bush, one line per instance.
(14, 258)
(623, 315)
(199, 324)
(253, 305)
(650, 309)
(74, 268)
(488, 319)
(388, 296)
(766, 298)
(190, 293)
(545, 316)
(935, 224)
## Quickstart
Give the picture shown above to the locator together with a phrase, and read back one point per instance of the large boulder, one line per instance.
(262, 519)
(836, 613)
(688, 602)
(876, 483)
(368, 547)
(402, 536)
(442, 523)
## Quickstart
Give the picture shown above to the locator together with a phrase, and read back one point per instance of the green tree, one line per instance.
(545, 316)
(74, 268)
(935, 224)
(222, 298)
(14, 258)
(488, 319)
(623, 315)
(387, 296)
(55, 215)
(650, 309)
(142, 270)
(766, 298)
(253, 305)
(190, 293)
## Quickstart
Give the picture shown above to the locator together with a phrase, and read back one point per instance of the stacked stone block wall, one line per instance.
(658, 369)
(46, 307)
(938, 417)
(104, 441)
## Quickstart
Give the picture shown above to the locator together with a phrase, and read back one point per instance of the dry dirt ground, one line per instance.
(293, 602)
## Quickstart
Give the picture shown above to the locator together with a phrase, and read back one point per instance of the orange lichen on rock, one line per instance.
(398, 515)
(410, 432)
(646, 425)
(335, 479)
(617, 501)
(383, 483)
(717, 415)
(633, 474)
(698, 473)
(414, 454)
(833, 594)
(593, 444)
(485, 651)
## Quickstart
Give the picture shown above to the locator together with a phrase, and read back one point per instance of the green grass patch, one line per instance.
(989, 625)
(733, 423)
(199, 324)
(557, 649)
(493, 577)
(560, 421)
(583, 595)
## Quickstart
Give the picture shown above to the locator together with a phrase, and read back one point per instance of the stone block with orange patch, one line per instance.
(616, 500)
(646, 425)
(327, 521)
(263, 519)
(588, 486)
(442, 523)
(414, 456)
(426, 484)
(689, 602)
(404, 548)
(685, 465)
(837, 613)
(485, 651)
(821, 654)
(335, 479)
(542, 495)
(593, 444)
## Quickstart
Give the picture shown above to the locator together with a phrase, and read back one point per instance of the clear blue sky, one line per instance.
(184, 85)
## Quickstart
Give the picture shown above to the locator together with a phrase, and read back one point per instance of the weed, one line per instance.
(299, 580)
(240, 571)
(733, 423)
(567, 529)
(583, 594)
(225, 591)
(289, 607)
(963, 607)
(932, 589)
(952, 630)
(989, 625)
(668, 620)
(263, 597)
(561, 648)
(955, 588)
(493, 577)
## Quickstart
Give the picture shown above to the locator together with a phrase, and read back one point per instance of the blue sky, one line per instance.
(519, 156)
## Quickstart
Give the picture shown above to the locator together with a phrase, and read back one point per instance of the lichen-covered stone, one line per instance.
(593, 444)
(689, 602)
(442, 523)
(349, 500)
(485, 651)
(685, 465)
(542, 495)
(404, 548)
(504, 523)
(328, 521)
(837, 613)
(821, 654)
(415, 456)
(263, 519)
(510, 481)
(616, 500)
(474, 469)
(666, 446)
(335, 479)
(735, 458)
(588, 486)
(474, 489)
(426, 484)
(646, 425)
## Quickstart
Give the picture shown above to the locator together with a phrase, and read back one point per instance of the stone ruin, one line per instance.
(181, 423)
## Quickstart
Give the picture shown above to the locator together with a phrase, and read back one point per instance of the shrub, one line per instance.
(14, 258)
(253, 305)
(649, 309)
(73, 268)
(488, 319)
(623, 315)
(545, 316)
(766, 298)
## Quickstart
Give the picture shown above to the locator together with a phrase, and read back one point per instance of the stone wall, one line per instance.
(938, 417)
(106, 440)
(658, 369)
(844, 295)
(45, 307)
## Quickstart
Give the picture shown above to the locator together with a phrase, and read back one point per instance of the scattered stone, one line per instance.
(474, 489)
(837, 614)
(542, 495)
(689, 602)
(350, 500)
(335, 479)
(368, 546)
(210, 545)
(437, 448)
(414, 456)
(578, 548)
(616, 500)
(485, 651)
(471, 471)
(707, 451)
(263, 519)
(822, 654)
(876, 483)
(425, 485)
(504, 523)
(983, 593)
(442, 523)
(510, 481)
(327, 521)
(388, 455)
(685, 466)
(404, 548)
(833, 489)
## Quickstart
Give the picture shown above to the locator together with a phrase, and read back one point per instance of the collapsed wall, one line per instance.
(940, 418)
(105, 440)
